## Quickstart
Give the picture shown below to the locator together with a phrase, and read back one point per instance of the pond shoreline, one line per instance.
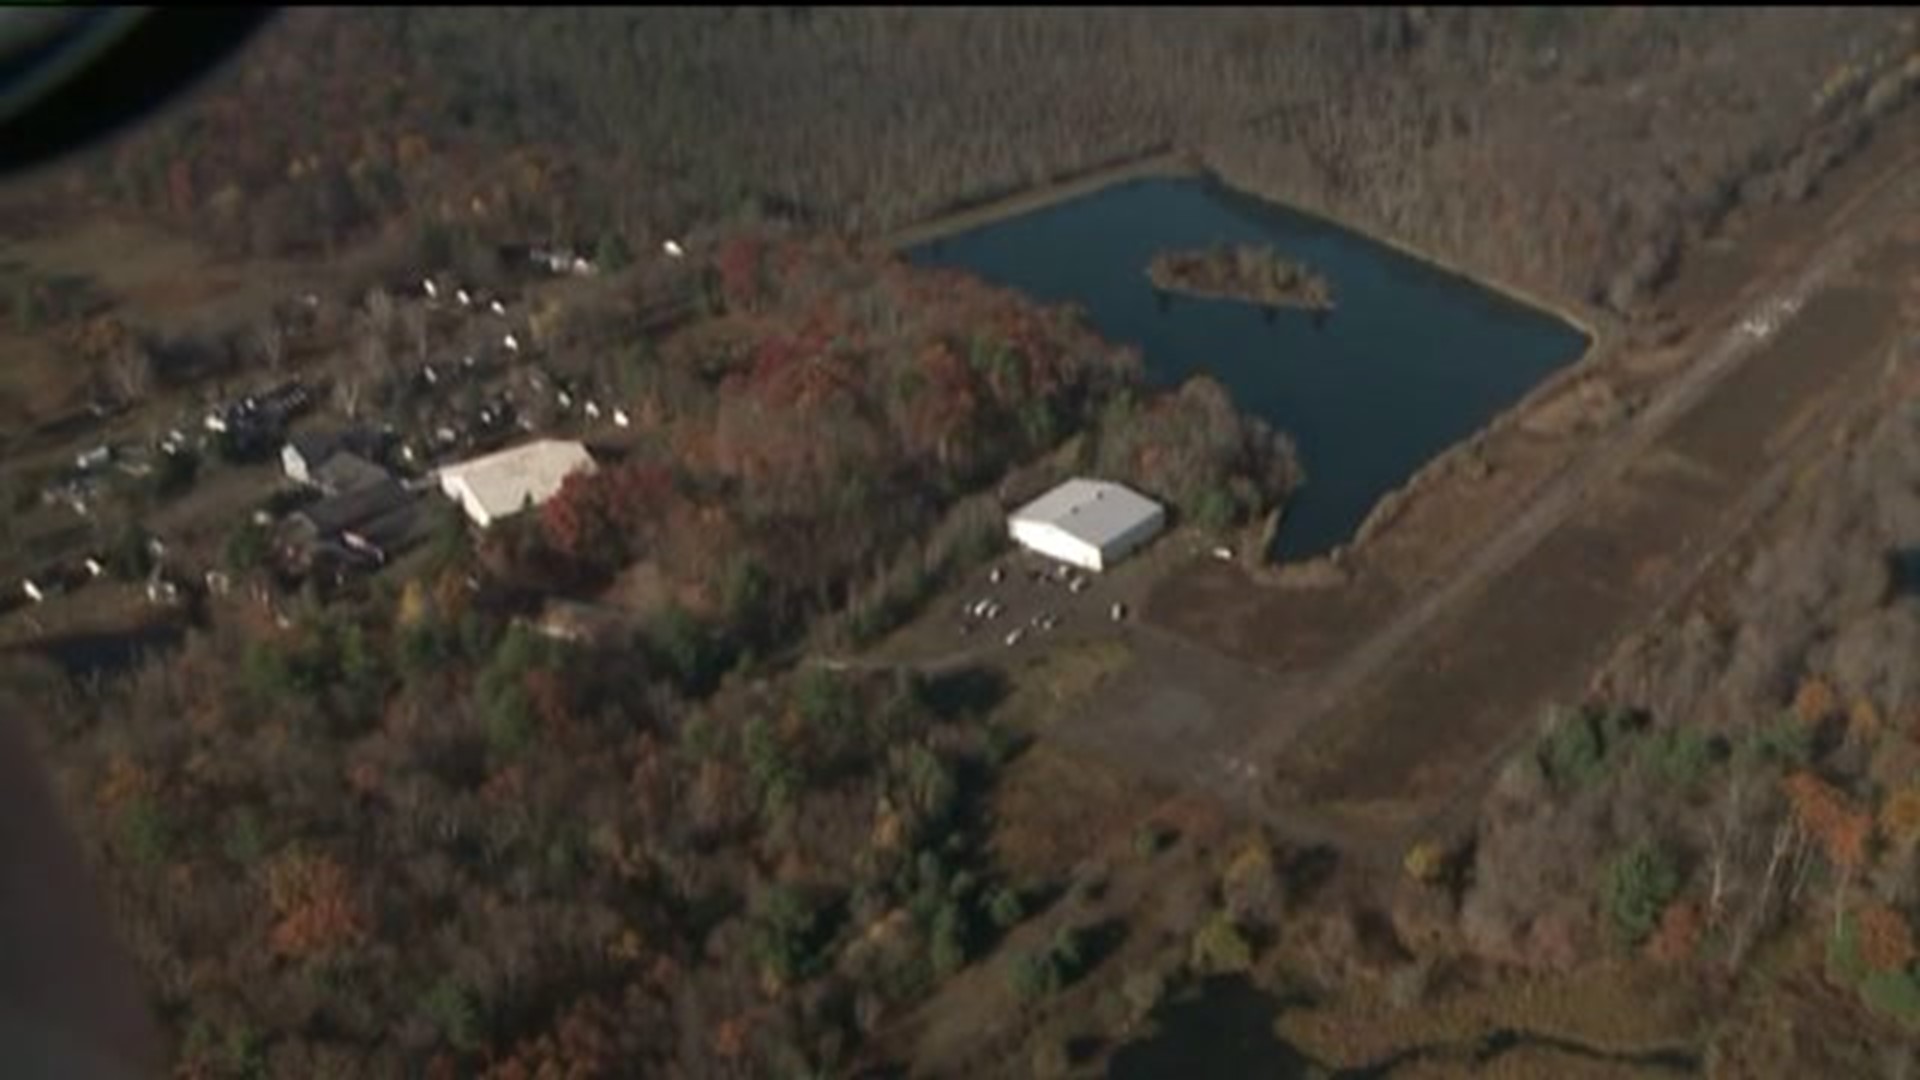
(1597, 331)
(1157, 165)
(1179, 163)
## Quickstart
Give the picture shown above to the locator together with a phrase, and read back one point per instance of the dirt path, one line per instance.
(1158, 163)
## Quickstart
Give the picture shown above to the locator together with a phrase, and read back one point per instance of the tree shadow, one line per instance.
(1903, 572)
(1084, 1049)
(1308, 870)
(1098, 942)
(972, 691)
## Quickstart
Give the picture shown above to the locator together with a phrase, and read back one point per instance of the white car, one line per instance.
(1224, 554)
(1014, 636)
(1118, 612)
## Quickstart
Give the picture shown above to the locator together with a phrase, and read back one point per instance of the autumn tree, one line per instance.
(130, 369)
(1815, 701)
(1678, 934)
(1842, 829)
(316, 912)
(1886, 939)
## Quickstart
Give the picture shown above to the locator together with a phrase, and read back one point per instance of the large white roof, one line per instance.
(501, 482)
(1096, 511)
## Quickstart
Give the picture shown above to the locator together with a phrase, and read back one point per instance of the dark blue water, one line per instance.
(1414, 359)
(1223, 1028)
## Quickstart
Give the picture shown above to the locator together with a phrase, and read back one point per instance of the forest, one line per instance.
(1739, 778)
(1577, 151)
(407, 834)
(684, 852)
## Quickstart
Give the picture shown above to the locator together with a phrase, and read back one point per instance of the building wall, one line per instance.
(1051, 541)
(456, 489)
(294, 465)
(1056, 543)
(1133, 539)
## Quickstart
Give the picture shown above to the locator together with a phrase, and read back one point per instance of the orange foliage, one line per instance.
(730, 1038)
(1863, 720)
(314, 904)
(607, 513)
(1815, 700)
(1841, 827)
(1678, 934)
(1900, 817)
(124, 782)
(1886, 941)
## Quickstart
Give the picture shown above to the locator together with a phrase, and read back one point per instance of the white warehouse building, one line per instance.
(504, 483)
(1087, 523)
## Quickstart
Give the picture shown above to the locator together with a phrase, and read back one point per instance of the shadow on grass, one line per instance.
(973, 691)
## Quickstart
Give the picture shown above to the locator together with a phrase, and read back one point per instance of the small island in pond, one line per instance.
(1257, 275)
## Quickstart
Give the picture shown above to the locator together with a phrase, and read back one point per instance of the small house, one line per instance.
(332, 516)
(306, 452)
(347, 471)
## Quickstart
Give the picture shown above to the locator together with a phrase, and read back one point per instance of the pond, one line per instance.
(1223, 1028)
(1413, 360)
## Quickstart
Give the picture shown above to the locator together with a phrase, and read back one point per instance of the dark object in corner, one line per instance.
(69, 77)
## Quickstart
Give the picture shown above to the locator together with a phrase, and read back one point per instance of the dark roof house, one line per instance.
(331, 516)
(347, 471)
(306, 451)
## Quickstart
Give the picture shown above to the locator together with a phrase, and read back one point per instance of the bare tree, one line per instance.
(1728, 836)
(376, 354)
(380, 314)
(413, 320)
(270, 341)
(347, 393)
(1785, 836)
(129, 369)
